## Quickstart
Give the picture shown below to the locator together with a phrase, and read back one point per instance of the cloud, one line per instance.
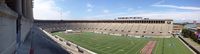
(105, 16)
(89, 10)
(47, 10)
(106, 11)
(129, 9)
(179, 7)
(89, 5)
(176, 16)
(159, 2)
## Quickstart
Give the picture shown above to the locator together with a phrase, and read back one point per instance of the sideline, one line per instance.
(193, 50)
(69, 46)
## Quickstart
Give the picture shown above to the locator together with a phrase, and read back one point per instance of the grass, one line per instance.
(109, 44)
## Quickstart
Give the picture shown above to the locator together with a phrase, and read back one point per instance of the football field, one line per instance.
(109, 44)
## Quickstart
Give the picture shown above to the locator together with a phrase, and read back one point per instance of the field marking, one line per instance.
(163, 46)
(105, 42)
(170, 41)
(99, 45)
(170, 45)
(136, 41)
(95, 49)
(87, 41)
(182, 46)
(157, 44)
(140, 48)
(130, 41)
(148, 48)
(114, 42)
(121, 42)
(118, 48)
(134, 47)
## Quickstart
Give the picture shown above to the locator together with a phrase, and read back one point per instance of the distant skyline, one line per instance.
(178, 10)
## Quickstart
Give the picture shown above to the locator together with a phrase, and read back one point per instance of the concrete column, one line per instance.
(28, 2)
(19, 7)
(29, 8)
(2, 1)
(165, 22)
(198, 29)
(156, 22)
(24, 10)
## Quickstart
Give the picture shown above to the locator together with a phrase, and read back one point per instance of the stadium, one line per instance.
(20, 33)
(134, 27)
(145, 36)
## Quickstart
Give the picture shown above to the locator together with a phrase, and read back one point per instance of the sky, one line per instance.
(178, 10)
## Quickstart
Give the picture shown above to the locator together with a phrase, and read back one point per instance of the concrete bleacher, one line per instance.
(127, 28)
(165, 29)
(110, 28)
(120, 29)
(133, 29)
(149, 29)
(100, 28)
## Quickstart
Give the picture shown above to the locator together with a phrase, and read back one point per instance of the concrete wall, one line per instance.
(26, 25)
(67, 45)
(10, 11)
(7, 29)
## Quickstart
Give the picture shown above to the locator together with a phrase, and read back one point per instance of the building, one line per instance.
(198, 32)
(177, 28)
(16, 19)
(130, 18)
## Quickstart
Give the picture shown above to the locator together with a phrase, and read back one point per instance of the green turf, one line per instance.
(108, 44)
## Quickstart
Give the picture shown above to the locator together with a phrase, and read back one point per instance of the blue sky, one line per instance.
(179, 10)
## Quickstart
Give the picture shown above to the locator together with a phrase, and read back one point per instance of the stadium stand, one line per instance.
(143, 27)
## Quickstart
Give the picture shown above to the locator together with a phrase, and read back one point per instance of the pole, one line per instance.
(18, 24)
(18, 37)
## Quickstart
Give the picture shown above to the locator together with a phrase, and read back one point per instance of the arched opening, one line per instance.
(122, 30)
(144, 31)
(11, 4)
(136, 31)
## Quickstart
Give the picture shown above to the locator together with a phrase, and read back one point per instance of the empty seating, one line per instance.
(131, 28)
